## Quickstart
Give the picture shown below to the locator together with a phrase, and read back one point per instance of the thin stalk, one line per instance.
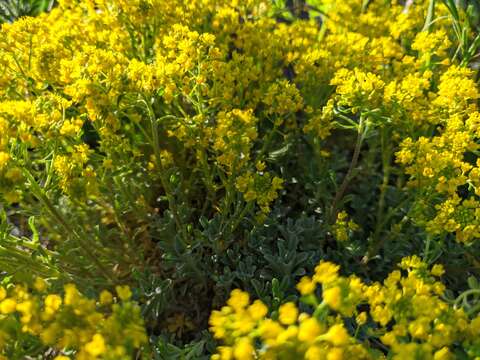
(40, 194)
(241, 216)
(158, 161)
(464, 295)
(349, 176)
(430, 16)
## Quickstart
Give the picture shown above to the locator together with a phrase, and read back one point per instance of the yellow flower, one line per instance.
(288, 313)
(257, 310)
(244, 322)
(71, 128)
(419, 328)
(333, 297)
(238, 300)
(306, 285)
(326, 272)
(361, 318)
(443, 354)
(4, 158)
(437, 270)
(225, 353)
(124, 292)
(106, 297)
(8, 306)
(40, 284)
(26, 309)
(270, 329)
(309, 329)
(337, 335)
(71, 294)
(260, 165)
(287, 336)
(97, 346)
(52, 303)
(314, 353)
(426, 41)
(335, 354)
(3, 293)
(243, 349)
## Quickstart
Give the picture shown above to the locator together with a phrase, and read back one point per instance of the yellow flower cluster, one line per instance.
(110, 328)
(438, 166)
(292, 335)
(260, 187)
(219, 79)
(406, 314)
(200, 94)
(430, 44)
(343, 227)
(234, 136)
(374, 74)
(357, 89)
(410, 83)
(108, 69)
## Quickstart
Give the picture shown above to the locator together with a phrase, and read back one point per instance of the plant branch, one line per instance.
(349, 176)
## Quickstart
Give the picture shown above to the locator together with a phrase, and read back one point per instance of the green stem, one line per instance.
(39, 192)
(430, 16)
(464, 295)
(240, 217)
(349, 176)
(158, 162)
(321, 311)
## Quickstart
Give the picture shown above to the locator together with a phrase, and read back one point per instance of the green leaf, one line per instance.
(33, 228)
(276, 154)
(473, 282)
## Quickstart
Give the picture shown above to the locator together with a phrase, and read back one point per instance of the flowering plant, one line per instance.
(169, 152)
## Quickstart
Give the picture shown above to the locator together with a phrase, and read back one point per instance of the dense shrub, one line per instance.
(184, 149)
